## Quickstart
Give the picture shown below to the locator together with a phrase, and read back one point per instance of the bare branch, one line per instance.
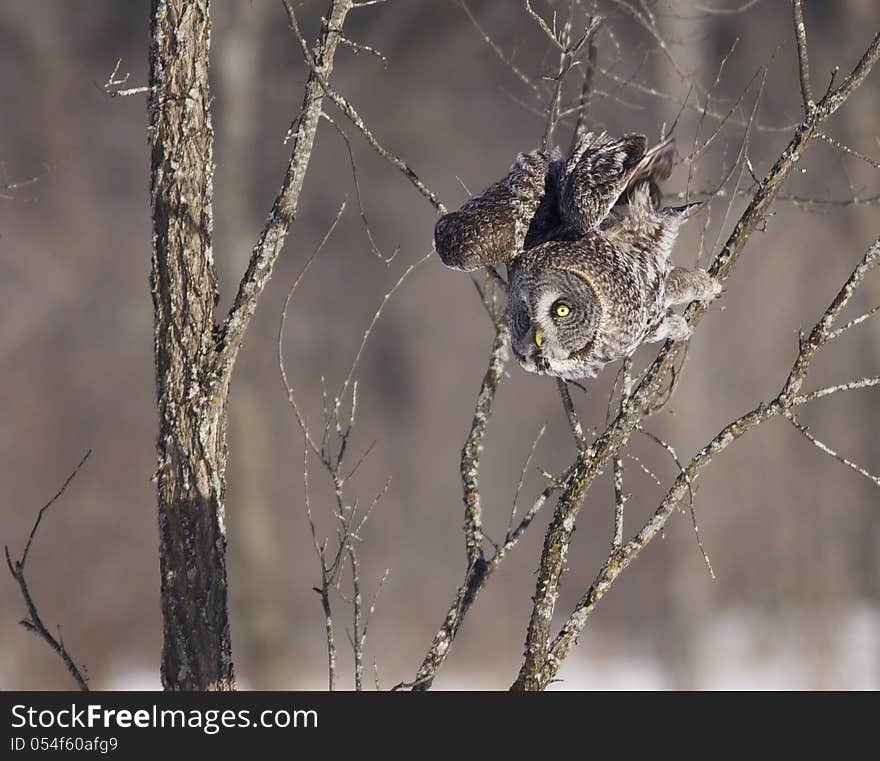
(836, 98)
(479, 569)
(114, 84)
(620, 559)
(852, 323)
(321, 78)
(822, 332)
(34, 623)
(357, 190)
(668, 448)
(361, 621)
(570, 57)
(524, 78)
(800, 33)
(288, 389)
(829, 451)
(727, 11)
(378, 313)
(470, 453)
(847, 150)
(359, 47)
(571, 414)
(512, 536)
(324, 590)
(820, 203)
(522, 479)
(358, 637)
(586, 95)
(286, 203)
(539, 20)
(829, 390)
(620, 497)
(694, 107)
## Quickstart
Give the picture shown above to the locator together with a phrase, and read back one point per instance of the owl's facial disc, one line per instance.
(553, 316)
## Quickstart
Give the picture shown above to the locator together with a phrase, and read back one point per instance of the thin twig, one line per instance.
(288, 388)
(829, 390)
(114, 84)
(470, 453)
(522, 479)
(668, 448)
(357, 191)
(620, 497)
(326, 581)
(357, 642)
(507, 61)
(829, 451)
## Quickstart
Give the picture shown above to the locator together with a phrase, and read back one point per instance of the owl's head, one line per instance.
(554, 316)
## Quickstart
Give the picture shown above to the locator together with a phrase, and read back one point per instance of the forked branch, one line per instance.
(782, 405)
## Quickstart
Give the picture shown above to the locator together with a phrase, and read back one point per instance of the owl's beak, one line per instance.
(539, 337)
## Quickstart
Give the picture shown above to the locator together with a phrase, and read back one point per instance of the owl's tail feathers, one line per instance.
(654, 167)
(640, 198)
(644, 220)
(658, 161)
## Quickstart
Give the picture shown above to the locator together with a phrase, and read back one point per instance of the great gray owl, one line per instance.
(586, 284)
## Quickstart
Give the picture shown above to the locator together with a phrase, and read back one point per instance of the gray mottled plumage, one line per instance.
(614, 285)
(587, 285)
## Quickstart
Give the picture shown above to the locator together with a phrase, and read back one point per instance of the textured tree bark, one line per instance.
(194, 356)
(191, 446)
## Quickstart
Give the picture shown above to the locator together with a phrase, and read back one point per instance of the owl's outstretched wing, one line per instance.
(491, 227)
(600, 170)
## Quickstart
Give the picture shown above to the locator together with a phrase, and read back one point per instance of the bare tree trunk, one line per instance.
(195, 356)
(196, 653)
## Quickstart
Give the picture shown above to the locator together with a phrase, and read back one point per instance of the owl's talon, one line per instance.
(675, 328)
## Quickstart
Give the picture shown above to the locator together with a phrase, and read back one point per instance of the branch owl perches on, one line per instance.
(588, 281)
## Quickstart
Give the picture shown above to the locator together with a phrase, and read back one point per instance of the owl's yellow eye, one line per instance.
(562, 310)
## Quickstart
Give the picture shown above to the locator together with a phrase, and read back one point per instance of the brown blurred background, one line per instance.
(794, 536)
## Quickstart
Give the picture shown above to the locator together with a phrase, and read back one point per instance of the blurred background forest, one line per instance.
(794, 536)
